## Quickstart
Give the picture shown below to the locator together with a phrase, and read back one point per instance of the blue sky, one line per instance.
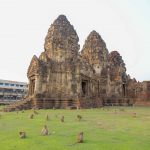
(123, 24)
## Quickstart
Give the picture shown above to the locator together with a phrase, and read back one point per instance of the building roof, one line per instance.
(14, 82)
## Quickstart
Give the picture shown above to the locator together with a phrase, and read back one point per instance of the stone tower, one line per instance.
(53, 76)
(61, 42)
(117, 79)
(95, 51)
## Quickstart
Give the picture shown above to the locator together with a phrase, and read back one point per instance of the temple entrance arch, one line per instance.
(124, 89)
(32, 86)
(84, 87)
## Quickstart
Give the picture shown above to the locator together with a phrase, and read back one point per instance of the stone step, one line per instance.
(25, 103)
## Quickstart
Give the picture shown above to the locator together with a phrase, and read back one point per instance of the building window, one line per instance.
(1, 90)
(11, 84)
(1, 83)
(7, 84)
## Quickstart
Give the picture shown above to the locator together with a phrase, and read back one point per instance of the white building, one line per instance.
(11, 91)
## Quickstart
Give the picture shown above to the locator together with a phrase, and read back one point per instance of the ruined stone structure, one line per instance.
(64, 77)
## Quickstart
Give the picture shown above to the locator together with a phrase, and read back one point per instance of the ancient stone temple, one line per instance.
(62, 76)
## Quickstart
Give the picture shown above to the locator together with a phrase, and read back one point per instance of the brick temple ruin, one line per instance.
(62, 76)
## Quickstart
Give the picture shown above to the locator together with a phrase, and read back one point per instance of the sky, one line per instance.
(123, 24)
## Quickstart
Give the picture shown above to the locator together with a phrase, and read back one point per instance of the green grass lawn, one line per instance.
(103, 129)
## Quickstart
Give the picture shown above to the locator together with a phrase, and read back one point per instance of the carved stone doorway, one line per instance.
(84, 86)
(124, 89)
(32, 86)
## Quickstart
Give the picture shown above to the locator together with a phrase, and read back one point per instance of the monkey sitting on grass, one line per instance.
(44, 131)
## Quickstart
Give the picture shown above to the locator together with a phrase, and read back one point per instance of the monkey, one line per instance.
(121, 109)
(31, 116)
(62, 119)
(80, 137)
(47, 117)
(134, 115)
(22, 134)
(35, 112)
(79, 117)
(44, 131)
